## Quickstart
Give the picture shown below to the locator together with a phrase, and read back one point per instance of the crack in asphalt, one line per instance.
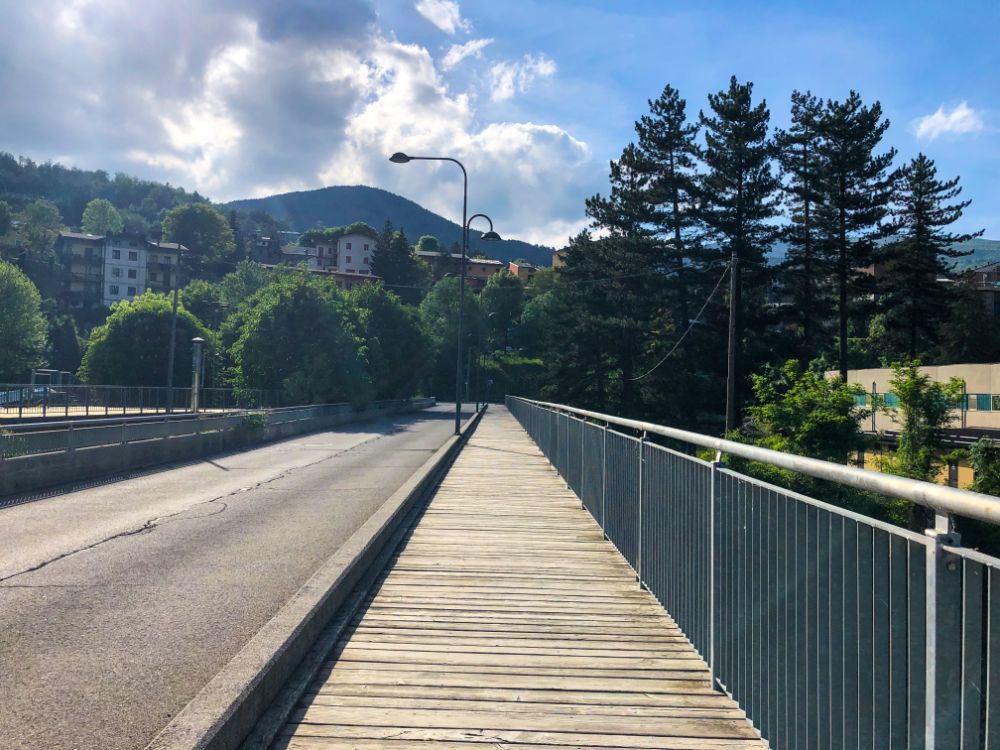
(157, 521)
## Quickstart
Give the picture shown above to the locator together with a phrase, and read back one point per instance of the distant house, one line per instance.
(523, 271)
(477, 270)
(348, 251)
(99, 271)
(343, 280)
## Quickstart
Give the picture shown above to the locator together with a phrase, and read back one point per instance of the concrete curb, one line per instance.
(228, 708)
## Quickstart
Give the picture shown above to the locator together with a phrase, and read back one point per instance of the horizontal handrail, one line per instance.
(935, 496)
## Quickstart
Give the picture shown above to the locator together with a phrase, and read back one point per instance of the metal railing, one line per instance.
(57, 437)
(829, 628)
(20, 400)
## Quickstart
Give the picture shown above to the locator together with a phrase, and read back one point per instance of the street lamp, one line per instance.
(401, 158)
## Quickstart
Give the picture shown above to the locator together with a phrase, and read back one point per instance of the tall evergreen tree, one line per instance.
(915, 293)
(857, 187)
(804, 274)
(738, 203)
(630, 266)
(395, 262)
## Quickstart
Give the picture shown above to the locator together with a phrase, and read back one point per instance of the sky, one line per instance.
(246, 98)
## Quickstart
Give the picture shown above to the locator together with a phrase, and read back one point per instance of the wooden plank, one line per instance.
(507, 620)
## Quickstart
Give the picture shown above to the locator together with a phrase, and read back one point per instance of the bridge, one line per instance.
(557, 578)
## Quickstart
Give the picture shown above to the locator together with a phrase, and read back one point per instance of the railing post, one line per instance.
(638, 554)
(943, 680)
(583, 435)
(715, 491)
(69, 438)
(604, 482)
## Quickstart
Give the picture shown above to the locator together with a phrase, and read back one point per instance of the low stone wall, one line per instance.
(36, 472)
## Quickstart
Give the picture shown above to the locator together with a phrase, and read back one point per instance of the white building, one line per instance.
(133, 264)
(350, 253)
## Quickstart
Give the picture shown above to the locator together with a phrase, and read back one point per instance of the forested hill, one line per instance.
(341, 205)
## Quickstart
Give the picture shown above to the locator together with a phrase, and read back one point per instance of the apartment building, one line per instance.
(99, 271)
(348, 253)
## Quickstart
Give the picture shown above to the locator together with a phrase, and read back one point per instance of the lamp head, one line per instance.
(399, 158)
(490, 236)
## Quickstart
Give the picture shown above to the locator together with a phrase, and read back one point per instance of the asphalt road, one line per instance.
(118, 603)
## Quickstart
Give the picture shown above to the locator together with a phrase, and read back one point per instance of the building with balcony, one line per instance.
(99, 271)
(523, 271)
(477, 270)
(986, 281)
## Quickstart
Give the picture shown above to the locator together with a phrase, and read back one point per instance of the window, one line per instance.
(133, 255)
(113, 289)
(116, 254)
(365, 261)
(366, 247)
(348, 247)
(131, 273)
(321, 252)
(116, 272)
(153, 259)
(348, 258)
(131, 291)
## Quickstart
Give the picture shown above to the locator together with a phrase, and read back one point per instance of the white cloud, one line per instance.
(444, 14)
(459, 52)
(253, 101)
(512, 77)
(961, 119)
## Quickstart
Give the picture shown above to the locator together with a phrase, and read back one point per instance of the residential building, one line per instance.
(477, 270)
(82, 259)
(293, 255)
(99, 271)
(523, 271)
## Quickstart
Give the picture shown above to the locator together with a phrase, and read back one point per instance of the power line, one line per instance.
(697, 318)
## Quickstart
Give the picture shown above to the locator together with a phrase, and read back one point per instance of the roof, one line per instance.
(82, 236)
(171, 246)
(298, 250)
(457, 256)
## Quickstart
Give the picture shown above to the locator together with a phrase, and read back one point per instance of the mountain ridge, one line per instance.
(338, 205)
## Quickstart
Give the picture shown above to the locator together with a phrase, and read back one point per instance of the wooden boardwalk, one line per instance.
(507, 621)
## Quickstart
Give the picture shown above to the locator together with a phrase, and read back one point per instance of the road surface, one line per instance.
(118, 603)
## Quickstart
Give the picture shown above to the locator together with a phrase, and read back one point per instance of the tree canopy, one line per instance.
(132, 346)
(201, 228)
(100, 217)
(23, 328)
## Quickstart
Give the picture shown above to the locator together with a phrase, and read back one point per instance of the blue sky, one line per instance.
(241, 98)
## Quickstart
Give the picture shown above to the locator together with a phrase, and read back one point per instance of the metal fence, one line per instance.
(831, 629)
(55, 437)
(20, 401)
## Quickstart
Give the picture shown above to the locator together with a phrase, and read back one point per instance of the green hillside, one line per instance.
(340, 205)
(983, 252)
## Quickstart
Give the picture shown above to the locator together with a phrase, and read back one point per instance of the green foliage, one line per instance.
(131, 347)
(502, 300)
(6, 218)
(924, 409)
(39, 226)
(255, 421)
(204, 300)
(394, 261)
(399, 353)
(295, 334)
(242, 283)
(984, 457)
(100, 217)
(512, 375)
(799, 410)
(428, 244)
(23, 328)
(439, 313)
(913, 298)
(64, 351)
(201, 228)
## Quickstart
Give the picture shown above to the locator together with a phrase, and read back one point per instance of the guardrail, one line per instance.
(829, 628)
(32, 439)
(23, 400)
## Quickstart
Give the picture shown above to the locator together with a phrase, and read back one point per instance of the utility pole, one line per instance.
(173, 333)
(731, 370)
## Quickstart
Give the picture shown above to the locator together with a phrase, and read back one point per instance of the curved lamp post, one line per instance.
(401, 158)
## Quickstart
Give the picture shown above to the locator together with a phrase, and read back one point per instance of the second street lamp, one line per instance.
(401, 158)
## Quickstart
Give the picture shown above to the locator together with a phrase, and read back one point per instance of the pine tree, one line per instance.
(856, 187)
(629, 263)
(395, 262)
(804, 273)
(738, 201)
(916, 293)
